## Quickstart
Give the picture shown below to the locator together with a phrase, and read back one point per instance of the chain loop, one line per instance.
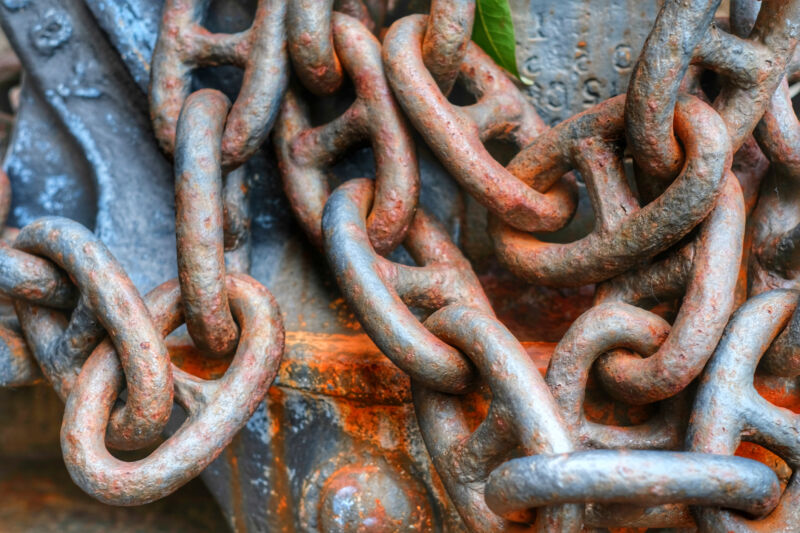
(447, 35)
(34, 280)
(183, 44)
(775, 262)
(199, 224)
(456, 134)
(378, 290)
(304, 152)
(108, 295)
(728, 409)
(709, 274)
(522, 412)
(216, 410)
(682, 34)
(624, 234)
(633, 477)
(505, 441)
(308, 25)
(602, 328)
(310, 40)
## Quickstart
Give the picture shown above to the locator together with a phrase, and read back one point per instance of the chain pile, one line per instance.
(701, 219)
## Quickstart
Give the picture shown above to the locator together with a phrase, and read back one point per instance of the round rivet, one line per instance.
(369, 499)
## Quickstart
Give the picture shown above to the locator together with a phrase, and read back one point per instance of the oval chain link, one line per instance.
(728, 410)
(304, 153)
(184, 44)
(624, 234)
(216, 409)
(684, 33)
(705, 272)
(456, 134)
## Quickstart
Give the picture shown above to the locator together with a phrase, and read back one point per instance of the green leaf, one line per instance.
(493, 31)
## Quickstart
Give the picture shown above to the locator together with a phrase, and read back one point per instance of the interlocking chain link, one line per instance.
(728, 409)
(199, 222)
(224, 312)
(456, 135)
(706, 272)
(624, 234)
(380, 291)
(184, 44)
(216, 409)
(109, 303)
(305, 152)
(503, 439)
(684, 33)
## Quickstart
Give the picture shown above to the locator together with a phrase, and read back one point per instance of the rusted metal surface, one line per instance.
(199, 228)
(464, 458)
(686, 34)
(109, 303)
(406, 396)
(215, 410)
(727, 399)
(708, 272)
(633, 477)
(447, 36)
(456, 135)
(444, 279)
(308, 26)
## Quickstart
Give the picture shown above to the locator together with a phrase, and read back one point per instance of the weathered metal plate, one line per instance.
(578, 53)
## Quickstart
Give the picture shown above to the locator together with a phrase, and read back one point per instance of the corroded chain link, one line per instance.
(456, 135)
(216, 410)
(260, 51)
(706, 272)
(684, 33)
(512, 447)
(224, 312)
(728, 409)
(305, 152)
(624, 234)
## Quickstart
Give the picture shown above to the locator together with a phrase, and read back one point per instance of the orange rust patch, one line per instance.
(763, 455)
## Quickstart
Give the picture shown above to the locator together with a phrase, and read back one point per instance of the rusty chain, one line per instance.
(678, 243)
(225, 312)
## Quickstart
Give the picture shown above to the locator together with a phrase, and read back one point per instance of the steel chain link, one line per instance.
(305, 152)
(624, 234)
(680, 236)
(212, 217)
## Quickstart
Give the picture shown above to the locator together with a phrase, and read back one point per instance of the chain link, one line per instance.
(184, 44)
(305, 152)
(728, 409)
(212, 217)
(624, 234)
(456, 134)
(216, 410)
(706, 272)
(199, 225)
(685, 33)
